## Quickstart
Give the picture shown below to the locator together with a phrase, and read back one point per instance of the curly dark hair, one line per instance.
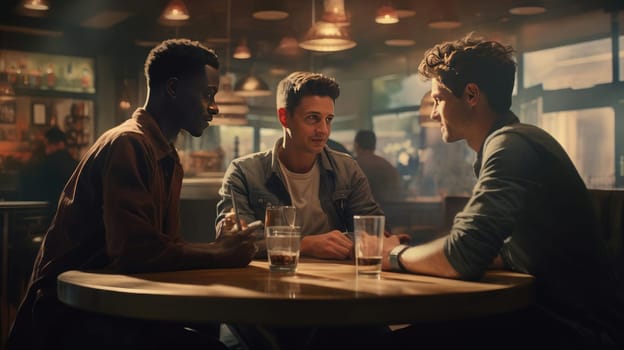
(291, 89)
(177, 58)
(488, 64)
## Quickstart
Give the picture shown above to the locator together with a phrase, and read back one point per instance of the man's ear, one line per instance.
(282, 114)
(472, 93)
(171, 86)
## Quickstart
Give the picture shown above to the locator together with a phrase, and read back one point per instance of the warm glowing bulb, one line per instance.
(387, 15)
(37, 5)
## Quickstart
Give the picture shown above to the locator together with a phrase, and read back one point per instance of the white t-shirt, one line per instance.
(304, 193)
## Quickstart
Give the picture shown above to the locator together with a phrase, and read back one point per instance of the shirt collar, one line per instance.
(162, 146)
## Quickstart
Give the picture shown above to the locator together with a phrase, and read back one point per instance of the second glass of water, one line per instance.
(369, 233)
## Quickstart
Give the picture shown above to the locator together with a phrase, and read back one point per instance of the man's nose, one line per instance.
(213, 108)
(323, 128)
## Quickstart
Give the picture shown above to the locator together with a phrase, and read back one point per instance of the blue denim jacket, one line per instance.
(258, 182)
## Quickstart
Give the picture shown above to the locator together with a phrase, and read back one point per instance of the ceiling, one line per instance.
(122, 26)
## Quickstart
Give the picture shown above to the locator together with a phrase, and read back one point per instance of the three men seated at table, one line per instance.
(530, 211)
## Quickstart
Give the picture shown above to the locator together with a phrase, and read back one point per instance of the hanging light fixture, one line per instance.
(269, 10)
(334, 12)
(251, 86)
(386, 14)
(242, 52)
(176, 11)
(288, 46)
(36, 5)
(233, 108)
(527, 7)
(326, 37)
(443, 15)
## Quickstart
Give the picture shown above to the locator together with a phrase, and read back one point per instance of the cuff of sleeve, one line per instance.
(395, 256)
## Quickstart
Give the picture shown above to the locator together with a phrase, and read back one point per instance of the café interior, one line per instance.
(78, 65)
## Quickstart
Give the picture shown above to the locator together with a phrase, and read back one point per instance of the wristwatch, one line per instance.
(395, 255)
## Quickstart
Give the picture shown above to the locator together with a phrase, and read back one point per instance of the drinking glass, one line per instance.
(369, 233)
(283, 247)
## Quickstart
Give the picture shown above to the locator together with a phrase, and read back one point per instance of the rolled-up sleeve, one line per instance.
(508, 171)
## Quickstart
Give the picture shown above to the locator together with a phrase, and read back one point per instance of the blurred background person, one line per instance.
(383, 178)
(44, 176)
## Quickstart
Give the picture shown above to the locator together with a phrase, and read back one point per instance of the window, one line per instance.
(268, 136)
(575, 66)
(398, 90)
(396, 133)
(577, 131)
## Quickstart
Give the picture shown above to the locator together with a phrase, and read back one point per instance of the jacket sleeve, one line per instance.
(132, 209)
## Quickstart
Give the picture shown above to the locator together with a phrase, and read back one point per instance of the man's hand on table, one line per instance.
(235, 248)
(331, 245)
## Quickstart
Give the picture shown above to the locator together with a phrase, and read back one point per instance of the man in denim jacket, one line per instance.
(326, 187)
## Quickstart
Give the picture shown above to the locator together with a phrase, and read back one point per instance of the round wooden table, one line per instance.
(319, 294)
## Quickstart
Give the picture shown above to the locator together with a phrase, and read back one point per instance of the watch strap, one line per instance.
(395, 255)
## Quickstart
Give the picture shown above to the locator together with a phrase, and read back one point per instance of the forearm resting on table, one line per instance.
(429, 259)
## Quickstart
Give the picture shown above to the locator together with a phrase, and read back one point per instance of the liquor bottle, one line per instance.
(50, 76)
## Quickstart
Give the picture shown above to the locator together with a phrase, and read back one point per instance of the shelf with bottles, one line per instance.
(78, 129)
(37, 71)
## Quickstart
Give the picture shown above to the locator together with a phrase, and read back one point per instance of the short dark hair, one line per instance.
(488, 64)
(366, 139)
(55, 135)
(291, 89)
(177, 58)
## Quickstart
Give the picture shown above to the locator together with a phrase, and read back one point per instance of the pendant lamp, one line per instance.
(251, 86)
(527, 7)
(443, 15)
(36, 5)
(269, 10)
(386, 14)
(326, 36)
(233, 108)
(176, 11)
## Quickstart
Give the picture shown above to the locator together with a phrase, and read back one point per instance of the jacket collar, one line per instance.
(161, 145)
